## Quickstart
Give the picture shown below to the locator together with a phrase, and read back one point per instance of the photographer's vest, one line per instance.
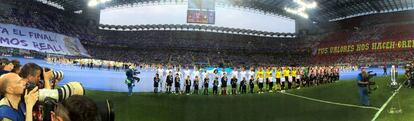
(8, 113)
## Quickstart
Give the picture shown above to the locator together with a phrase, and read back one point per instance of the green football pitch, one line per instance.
(330, 102)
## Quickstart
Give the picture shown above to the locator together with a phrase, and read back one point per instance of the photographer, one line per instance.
(31, 73)
(5, 67)
(32, 76)
(11, 106)
(131, 78)
(363, 82)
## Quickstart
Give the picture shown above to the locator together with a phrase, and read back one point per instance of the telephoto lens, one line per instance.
(55, 74)
(67, 90)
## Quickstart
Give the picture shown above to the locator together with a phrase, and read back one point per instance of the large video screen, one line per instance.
(201, 11)
(201, 17)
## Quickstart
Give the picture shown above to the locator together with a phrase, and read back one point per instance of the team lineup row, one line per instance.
(266, 79)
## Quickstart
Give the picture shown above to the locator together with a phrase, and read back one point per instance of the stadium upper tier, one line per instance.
(375, 39)
(47, 18)
(180, 13)
(326, 10)
(200, 41)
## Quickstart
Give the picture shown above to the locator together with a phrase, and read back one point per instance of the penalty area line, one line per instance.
(386, 103)
(329, 102)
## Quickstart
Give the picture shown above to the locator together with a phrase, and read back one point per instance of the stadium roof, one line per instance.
(327, 10)
(168, 27)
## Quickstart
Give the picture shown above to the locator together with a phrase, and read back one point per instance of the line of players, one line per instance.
(257, 80)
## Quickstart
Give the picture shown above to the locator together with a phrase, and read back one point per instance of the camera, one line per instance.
(136, 72)
(135, 77)
(371, 83)
(55, 74)
(67, 90)
(370, 75)
(49, 98)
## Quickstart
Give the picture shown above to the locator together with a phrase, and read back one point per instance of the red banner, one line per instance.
(391, 45)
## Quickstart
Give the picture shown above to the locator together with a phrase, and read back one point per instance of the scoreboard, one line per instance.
(201, 11)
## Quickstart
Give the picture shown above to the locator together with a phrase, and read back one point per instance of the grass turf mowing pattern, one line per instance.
(250, 107)
(406, 99)
(347, 92)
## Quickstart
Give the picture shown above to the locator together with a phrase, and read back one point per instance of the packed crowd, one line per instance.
(37, 15)
(376, 28)
(195, 57)
(178, 48)
(201, 40)
(396, 57)
(7, 51)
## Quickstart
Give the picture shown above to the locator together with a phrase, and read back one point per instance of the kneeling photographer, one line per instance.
(365, 86)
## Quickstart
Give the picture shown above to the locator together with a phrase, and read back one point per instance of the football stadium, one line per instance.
(206, 60)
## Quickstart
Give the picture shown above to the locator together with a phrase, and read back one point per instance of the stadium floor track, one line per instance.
(110, 80)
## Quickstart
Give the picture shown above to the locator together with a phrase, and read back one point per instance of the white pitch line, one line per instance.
(333, 103)
(386, 103)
